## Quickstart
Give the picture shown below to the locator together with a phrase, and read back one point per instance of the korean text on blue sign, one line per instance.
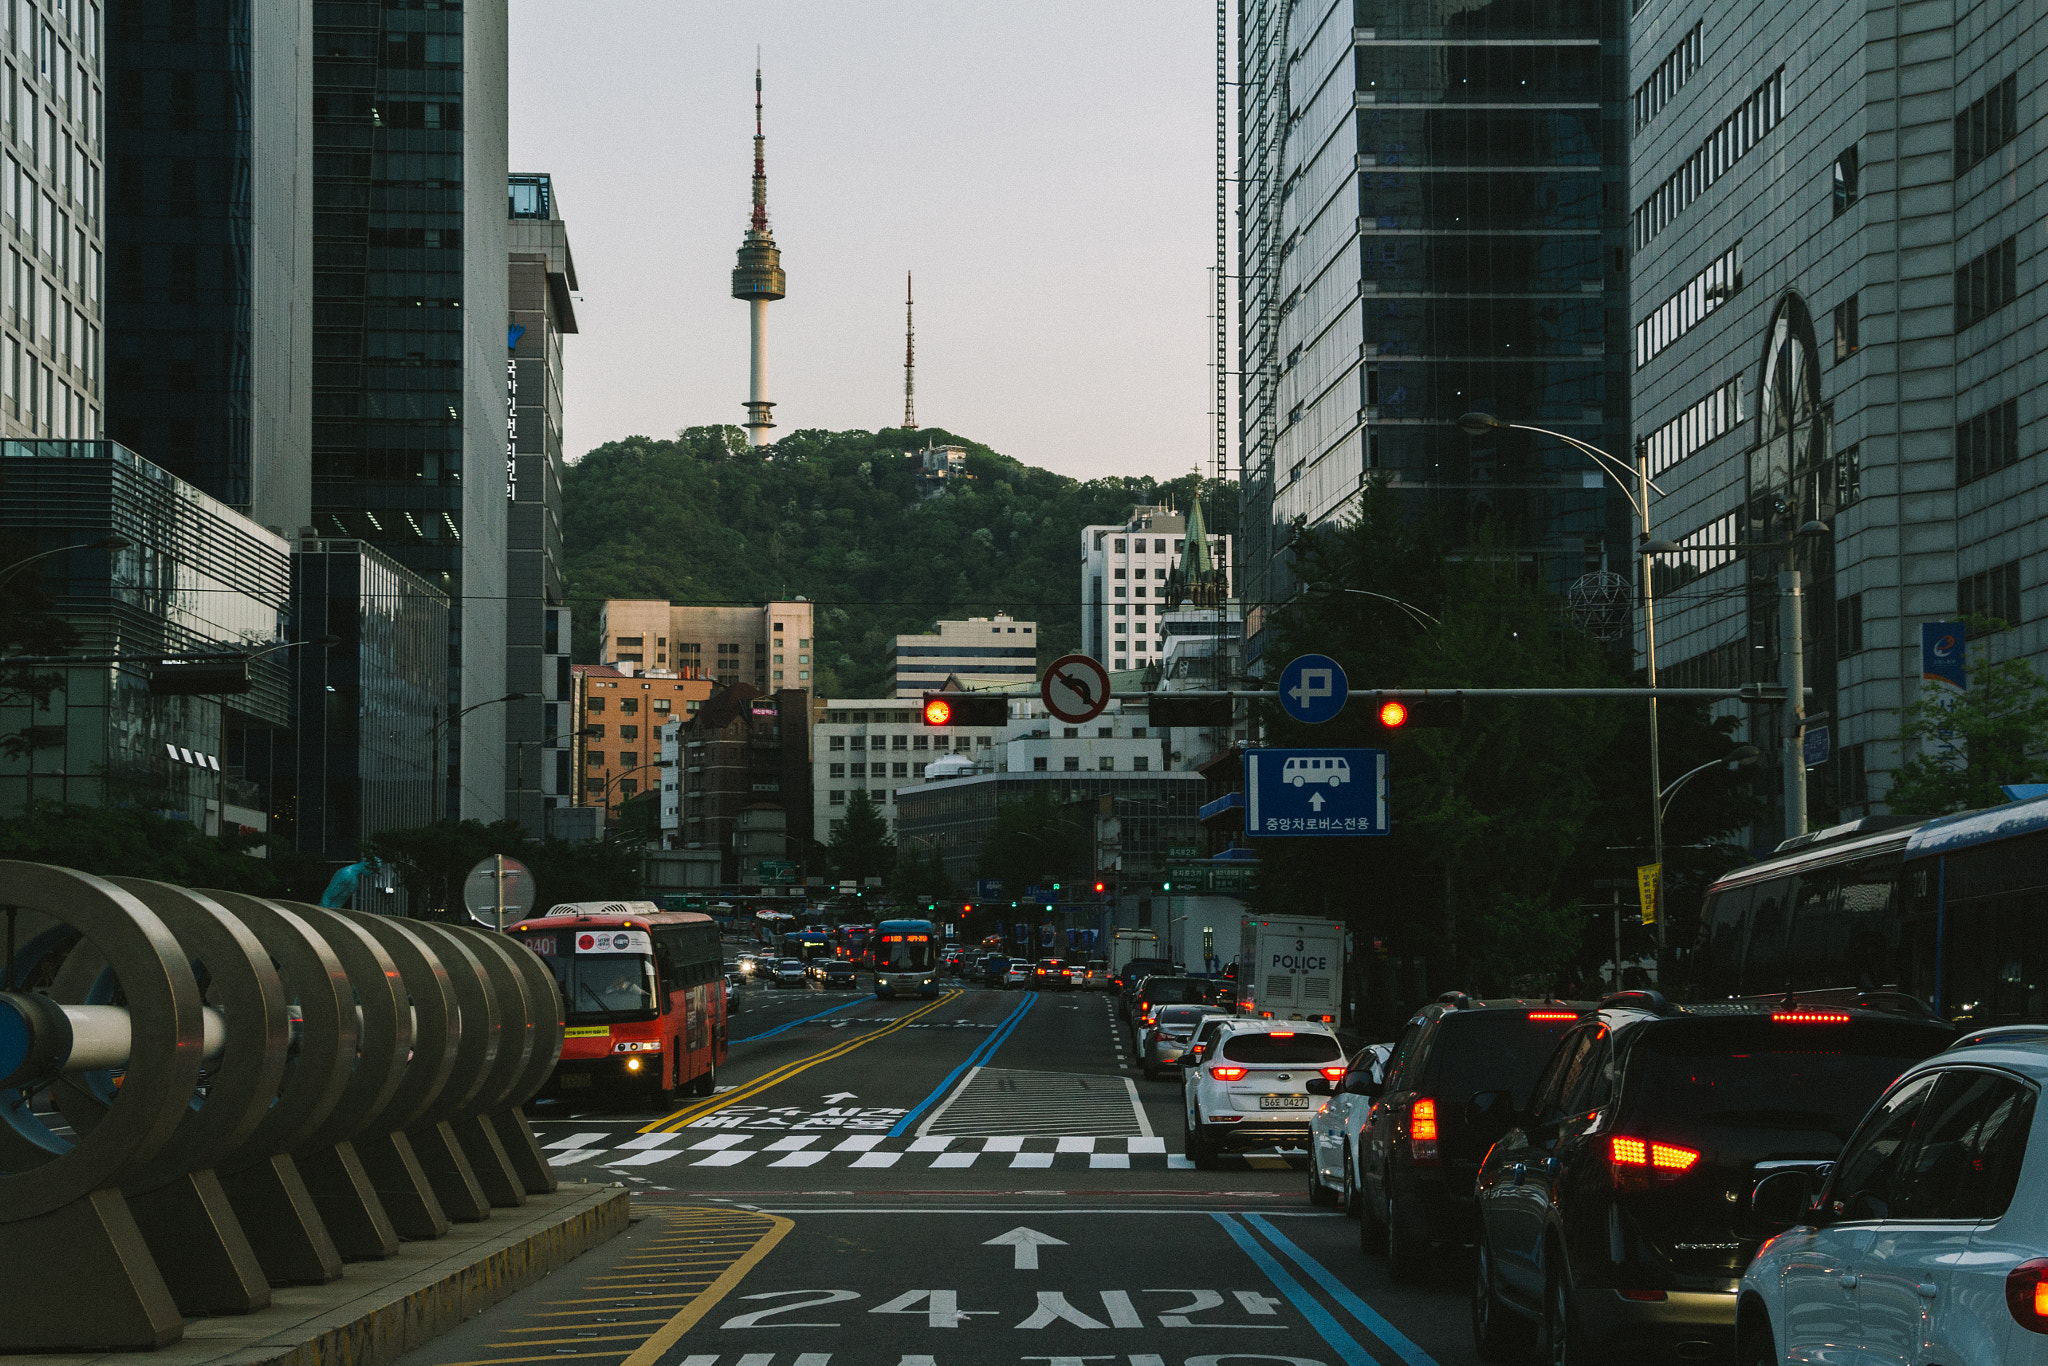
(1315, 792)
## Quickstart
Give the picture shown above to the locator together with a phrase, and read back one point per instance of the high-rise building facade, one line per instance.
(1836, 241)
(209, 237)
(1127, 572)
(51, 194)
(770, 647)
(878, 745)
(1431, 223)
(987, 654)
(409, 314)
(541, 290)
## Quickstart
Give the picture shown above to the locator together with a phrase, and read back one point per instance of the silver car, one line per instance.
(1163, 1042)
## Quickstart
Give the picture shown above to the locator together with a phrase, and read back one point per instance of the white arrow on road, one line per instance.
(1315, 803)
(843, 1095)
(1026, 1241)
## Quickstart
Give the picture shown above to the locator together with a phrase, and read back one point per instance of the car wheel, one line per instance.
(1564, 1342)
(1318, 1193)
(1198, 1150)
(1404, 1250)
(1498, 1333)
(1758, 1347)
(707, 1084)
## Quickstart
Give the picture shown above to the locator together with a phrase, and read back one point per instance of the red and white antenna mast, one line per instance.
(909, 358)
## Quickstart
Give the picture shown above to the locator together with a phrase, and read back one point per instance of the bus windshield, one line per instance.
(605, 984)
(904, 952)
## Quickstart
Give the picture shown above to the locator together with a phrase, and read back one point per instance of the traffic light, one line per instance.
(1420, 713)
(964, 709)
(966, 909)
(202, 679)
(1101, 887)
(1162, 710)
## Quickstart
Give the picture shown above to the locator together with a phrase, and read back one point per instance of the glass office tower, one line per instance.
(409, 298)
(1431, 223)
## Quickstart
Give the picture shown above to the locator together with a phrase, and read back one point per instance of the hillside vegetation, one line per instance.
(838, 518)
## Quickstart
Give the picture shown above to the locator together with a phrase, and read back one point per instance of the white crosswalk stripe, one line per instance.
(948, 1152)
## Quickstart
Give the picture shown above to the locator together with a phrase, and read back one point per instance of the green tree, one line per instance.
(1034, 840)
(432, 861)
(862, 845)
(1973, 744)
(130, 841)
(920, 876)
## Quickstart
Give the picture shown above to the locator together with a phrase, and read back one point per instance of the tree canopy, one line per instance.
(841, 518)
(1973, 744)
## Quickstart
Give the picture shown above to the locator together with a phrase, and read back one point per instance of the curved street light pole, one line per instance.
(1478, 424)
(434, 741)
(103, 543)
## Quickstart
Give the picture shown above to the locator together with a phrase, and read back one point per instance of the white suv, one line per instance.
(1926, 1243)
(1250, 1088)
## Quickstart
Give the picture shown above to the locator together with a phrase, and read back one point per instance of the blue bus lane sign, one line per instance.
(1315, 792)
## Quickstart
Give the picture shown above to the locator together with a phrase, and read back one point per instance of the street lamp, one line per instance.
(103, 543)
(434, 739)
(1742, 756)
(1480, 424)
(1415, 614)
(1791, 655)
(220, 784)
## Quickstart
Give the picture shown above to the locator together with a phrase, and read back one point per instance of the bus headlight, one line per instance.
(637, 1046)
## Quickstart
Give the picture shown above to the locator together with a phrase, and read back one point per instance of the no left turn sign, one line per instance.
(1075, 688)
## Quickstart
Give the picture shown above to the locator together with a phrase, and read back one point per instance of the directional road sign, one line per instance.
(1814, 746)
(1075, 688)
(1308, 792)
(1313, 688)
(987, 888)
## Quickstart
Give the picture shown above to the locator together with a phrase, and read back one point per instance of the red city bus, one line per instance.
(643, 996)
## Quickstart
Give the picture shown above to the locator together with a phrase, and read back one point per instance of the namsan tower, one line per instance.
(759, 280)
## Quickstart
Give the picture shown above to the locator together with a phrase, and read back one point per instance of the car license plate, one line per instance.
(1283, 1102)
(576, 1079)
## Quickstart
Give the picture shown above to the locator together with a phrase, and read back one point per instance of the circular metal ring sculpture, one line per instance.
(204, 1093)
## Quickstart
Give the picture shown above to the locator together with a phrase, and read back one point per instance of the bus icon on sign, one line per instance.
(1302, 770)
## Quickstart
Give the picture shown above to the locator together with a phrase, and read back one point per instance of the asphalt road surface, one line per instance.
(984, 1178)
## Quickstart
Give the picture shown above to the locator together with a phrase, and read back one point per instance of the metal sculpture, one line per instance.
(204, 1094)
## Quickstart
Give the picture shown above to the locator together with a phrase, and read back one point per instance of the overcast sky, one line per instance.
(1047, 170)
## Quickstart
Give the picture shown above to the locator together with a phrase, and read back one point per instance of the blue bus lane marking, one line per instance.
(1358, 1309)
(771, 1033)
(1322, 1320)
(978, 1058)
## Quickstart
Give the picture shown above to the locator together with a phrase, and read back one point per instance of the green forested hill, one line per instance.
(837, 517)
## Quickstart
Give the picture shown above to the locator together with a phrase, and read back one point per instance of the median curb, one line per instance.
(378, 1311)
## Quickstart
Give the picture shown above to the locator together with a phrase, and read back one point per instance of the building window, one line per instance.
(1987, 284)
(1669, 78)
(917, 771)
(1852, 779)
(629, 705)
(631, 642)
(1141, 764)
(900, 770)
(1991, 121)
(629, 732)
(836, 797)
(594, 758)
(1845, 181)
(1847, 341)
(1988, 442)
(629, 758)
(921, 742)
(595, 704)
(1848, 625)
(1106, 764)
(1072, 764)
(860, 770)
(1995, 593)
(1120, 547)
(981, 741)
(838, 771)
(836, 743)
(661, 704)
(878, 795)
(1743, 129)
(1685, 310)
(900, 742)
(778, 675)
(860, 742)
(593, 732)
(1038, 764)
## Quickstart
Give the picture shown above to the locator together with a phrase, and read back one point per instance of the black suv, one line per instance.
(1127, 978)
(1421, 1148)
(1614, 1212)
(1159, 990)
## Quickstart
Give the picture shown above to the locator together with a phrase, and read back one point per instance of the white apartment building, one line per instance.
(881, 744)
(987, 654)
(1118, 741)
(1124, 583)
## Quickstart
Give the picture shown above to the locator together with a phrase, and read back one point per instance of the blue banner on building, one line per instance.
(1941, 654)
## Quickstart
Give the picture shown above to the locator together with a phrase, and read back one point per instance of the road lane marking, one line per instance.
(652, 1350)
(771, 1033)
(1343, 1295)
(746, 1090)
(1322, 1320)
(974, 1063)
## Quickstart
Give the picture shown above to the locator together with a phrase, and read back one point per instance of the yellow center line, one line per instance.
(692, 1113)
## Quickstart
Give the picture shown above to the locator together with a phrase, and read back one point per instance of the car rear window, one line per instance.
(1491, 1050)
(1694, 1076)
(1176, 991)
(1180, 1014)
(1281, 1049)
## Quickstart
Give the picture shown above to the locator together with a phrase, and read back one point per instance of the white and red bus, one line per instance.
(854, 945)
(643, 996)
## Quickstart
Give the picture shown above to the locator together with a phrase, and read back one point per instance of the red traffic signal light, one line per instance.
(1421, 713)
(1101, 887)
(1393, 714)
(965, 709)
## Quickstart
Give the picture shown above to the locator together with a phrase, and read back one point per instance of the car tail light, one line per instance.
(2026, 1294)
(1281, 1034)
(1637, 1162)
(1422, 1133)
(1334, 1073)
(1227, 1073)
(1553, 1015)
(1809, 1017)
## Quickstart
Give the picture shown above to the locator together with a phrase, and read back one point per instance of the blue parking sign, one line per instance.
(1313, 688)
(1315, 792)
